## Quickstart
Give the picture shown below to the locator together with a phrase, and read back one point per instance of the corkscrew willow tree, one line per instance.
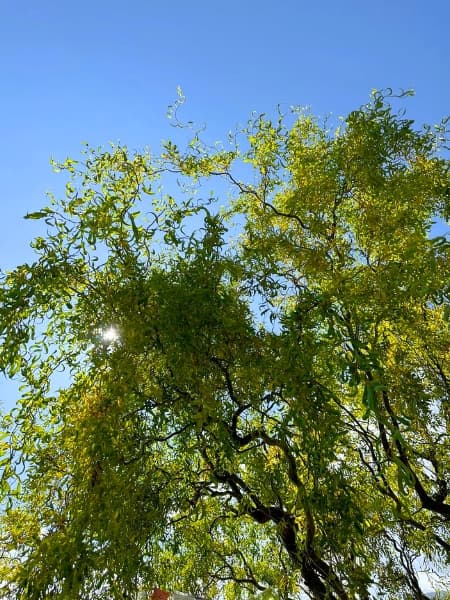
(258, 381)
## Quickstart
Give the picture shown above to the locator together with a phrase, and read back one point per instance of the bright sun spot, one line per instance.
(110, 335)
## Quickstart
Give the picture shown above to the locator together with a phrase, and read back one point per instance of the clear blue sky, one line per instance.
(106, 70)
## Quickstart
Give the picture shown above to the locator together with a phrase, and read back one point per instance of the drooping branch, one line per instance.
(427, 501)
(317, 574)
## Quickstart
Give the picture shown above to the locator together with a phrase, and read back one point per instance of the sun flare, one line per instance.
(110, 335)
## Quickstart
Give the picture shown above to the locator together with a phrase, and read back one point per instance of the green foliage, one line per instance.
(259, 389)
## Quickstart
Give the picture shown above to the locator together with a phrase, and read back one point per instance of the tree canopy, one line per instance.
(258, 379)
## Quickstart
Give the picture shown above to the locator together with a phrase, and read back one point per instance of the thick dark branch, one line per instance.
(259, 434)
(226, 375)
(169, 436)
(279, 213)
(242, 580)
(440, 372)
(384, 487)
(317, 574)
(315, 570)
(407, 564)
(427, 501)
(421, 527)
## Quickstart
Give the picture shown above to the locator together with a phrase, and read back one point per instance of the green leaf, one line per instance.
(40, 214)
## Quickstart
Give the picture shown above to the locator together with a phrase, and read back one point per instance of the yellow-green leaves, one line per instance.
(269, 411)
